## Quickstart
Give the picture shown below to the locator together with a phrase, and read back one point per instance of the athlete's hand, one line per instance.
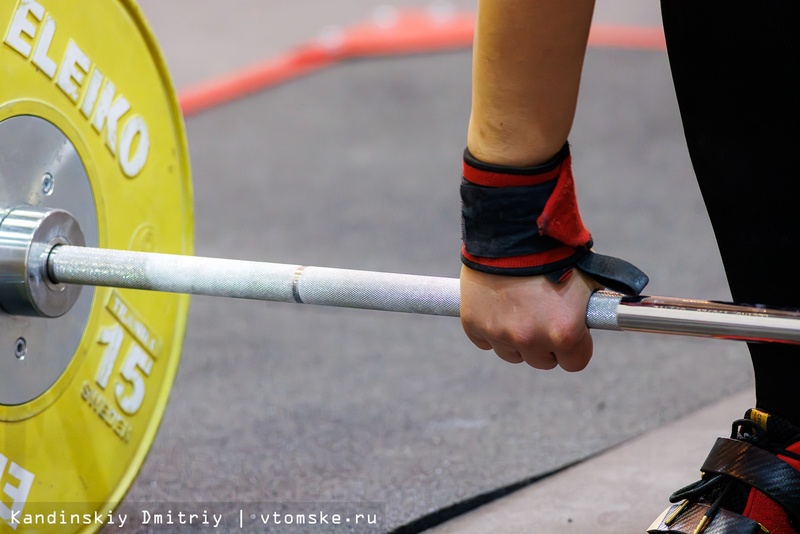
(529, 319)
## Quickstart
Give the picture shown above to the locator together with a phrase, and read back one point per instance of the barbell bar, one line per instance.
(68, 264)
(41, 271)
(407, 293)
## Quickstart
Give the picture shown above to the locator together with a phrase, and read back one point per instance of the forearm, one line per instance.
(527, 63)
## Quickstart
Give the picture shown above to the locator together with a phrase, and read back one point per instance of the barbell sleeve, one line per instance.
(370, 290)
(692, 317)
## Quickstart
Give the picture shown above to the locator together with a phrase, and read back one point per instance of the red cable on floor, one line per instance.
(392, 33)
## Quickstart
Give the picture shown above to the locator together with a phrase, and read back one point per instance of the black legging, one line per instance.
(736, 69)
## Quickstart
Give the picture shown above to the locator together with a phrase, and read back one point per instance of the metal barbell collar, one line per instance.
(27, 236)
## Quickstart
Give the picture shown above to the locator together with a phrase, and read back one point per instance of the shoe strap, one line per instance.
(758, 468)
(724, 522)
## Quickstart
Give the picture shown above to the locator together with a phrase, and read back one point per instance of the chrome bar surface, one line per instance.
(427, 295)
(703, 318)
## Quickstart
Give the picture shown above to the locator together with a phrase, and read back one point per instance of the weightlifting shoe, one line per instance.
(750, 484)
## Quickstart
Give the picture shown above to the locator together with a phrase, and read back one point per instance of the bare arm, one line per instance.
(527, 63)
(528, 57)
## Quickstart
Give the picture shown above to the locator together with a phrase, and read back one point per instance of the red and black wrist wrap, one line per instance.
(524, 221)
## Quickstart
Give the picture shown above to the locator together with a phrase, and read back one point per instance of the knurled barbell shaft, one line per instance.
(427, 295)
(253, 280)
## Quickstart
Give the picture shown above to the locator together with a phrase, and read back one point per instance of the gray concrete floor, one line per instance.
(621, 490)
(357, 166)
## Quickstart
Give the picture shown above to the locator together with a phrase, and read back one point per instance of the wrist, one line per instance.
(508, 142)
(524, 221)
(521, 221)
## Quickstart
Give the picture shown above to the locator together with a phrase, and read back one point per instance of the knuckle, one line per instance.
(521, 336)
(566, 335)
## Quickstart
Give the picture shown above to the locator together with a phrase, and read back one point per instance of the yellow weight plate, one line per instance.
(88, 123)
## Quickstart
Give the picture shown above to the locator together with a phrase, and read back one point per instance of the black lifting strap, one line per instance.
(758, 468)
(614, 273)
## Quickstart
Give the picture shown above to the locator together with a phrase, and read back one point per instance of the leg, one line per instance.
(736, 68)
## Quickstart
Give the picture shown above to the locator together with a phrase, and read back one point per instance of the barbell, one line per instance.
(96, 205)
